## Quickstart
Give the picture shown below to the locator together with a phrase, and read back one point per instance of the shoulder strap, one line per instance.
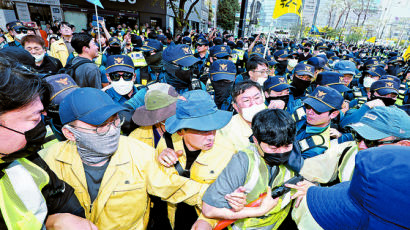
(168, 140)
(311, 142)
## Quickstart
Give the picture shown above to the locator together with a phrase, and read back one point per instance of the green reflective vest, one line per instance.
(138, 58)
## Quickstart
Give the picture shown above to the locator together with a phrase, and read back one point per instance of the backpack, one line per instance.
(70, 68)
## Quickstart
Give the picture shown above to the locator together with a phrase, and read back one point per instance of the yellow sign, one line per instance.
(287, 6)
(372, 40)
(406, 54)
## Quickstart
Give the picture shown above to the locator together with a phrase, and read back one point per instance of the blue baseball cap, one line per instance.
(281, 54)
(304, 69)
(324, 57)
(180, 55)
(345, 67)
(276, 83)
(258, 50)
(196, 110)
(220, 51)
(317, 62)
(396, 80)
(121, 63)
(186, 40)
(375, 71)
(114, 41)
(218, 41)
(333, 80)
(375, 198)
(384, 87)
(395, 59)
(151, 45)
(383, 121)
(61, 85)
(271, 60)
(89, 105)
(202, 41)
(223, 70)
(324, 99)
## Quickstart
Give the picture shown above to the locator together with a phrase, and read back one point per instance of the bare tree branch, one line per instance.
(190, 9)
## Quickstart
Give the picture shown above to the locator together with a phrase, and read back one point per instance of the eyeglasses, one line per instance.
(310, 107)
(371, 143)
(103, 129)
(116, 76)
(262, 71)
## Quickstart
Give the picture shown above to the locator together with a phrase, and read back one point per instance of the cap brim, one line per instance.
(347, 72)
(340, 87)
(386, 91)
(317, 105)
(120, 68)
(145, 49)
(99, 116)
(280, 87)
(223, 76)
(304, 73)
(222, 55)
(209, 122)
(368, 132)
(333, 207)
(144, 117)
(187, 61)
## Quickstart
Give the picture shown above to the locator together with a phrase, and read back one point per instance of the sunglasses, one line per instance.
(371, 143)
(19, 31)
(116, 76)
(310, 107)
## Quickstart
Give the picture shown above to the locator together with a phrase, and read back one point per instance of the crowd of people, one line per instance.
(136, 128)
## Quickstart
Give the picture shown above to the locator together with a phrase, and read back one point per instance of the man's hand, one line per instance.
(301, 188)
(268, 203)
(68, 221)
(169, 157)
(201, 225)
(334, 133)
(276, 104)
(237, 199)
(345, 106)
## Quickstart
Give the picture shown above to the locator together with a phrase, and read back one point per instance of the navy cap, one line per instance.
(384, 87)
(136, 40)
(239, 44)
(16, 25)
(220, 51)
(375, 71)
(61, 85)
(330, 54)
(258, 50)
(89, 105)
(281, 54)
(114, 41)
(395, 59)
(348, 57)
(121, 63)
(333, 80)
(396, 80)
(162, 38)
(151, 45)
(202, 41)
(324, 57)
(317, 62)
(371, 62)
(345, 67)
(276, 83)
(186, 40)
(180, 55)
(324, 99)
(383, 121)
(223, 70)
(271, 60)
(375, 198)
(304, 69)
(218, 41)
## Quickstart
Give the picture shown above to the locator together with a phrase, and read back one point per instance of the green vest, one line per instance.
(257, 182)
(15, 214)
(346, 168)
(138, 59)
(240, 53)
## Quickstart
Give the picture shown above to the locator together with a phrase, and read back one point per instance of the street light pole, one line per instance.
(244, 7)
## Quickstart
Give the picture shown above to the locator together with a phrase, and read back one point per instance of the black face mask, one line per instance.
(222, 91)
(35, 139)
(306, 50)
(284, 98)
(281, 67)
(153, 59)
(276, 158)
(300, 85)
(115, 50)
(386, 100)
(184, 75)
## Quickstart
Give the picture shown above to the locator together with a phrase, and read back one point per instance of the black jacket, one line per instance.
(49, 65)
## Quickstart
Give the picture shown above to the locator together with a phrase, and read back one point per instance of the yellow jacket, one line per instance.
(59, 50)
(238, 132)
(132, 174)
(206, 168)
(144, 134)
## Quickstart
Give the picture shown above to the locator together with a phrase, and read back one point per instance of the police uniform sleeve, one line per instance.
(232, 177)
(59, 195)
(354, 115)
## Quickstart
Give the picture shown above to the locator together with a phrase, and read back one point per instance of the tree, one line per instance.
(355, 35)
(181, 15)
(226, 13)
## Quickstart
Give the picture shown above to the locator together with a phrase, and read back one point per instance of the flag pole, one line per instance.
(267, 41)
(98, 27)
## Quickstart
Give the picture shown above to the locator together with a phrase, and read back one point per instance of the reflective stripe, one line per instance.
(298, 114)
(311, 142)
(253, 180)
(347, 166)
(286, 199)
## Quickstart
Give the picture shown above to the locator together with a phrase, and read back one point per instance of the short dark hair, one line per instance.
(64, 24)
(33, 39)
(274, 127)
(241, 87)
(254, 61)
(18, 86)
(80, 40)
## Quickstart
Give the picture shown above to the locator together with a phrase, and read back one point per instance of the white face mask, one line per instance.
(20, 36)
(122, 87)
(39, 58)
(368, 81)
(292, 63)
(250, 112)
(261, 80)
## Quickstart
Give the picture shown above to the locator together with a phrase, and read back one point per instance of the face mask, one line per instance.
(39, 58)
(300, 85)
(20, 36)
(386, 100)
(276, 158)
(122, 87)
(281, 67)
(35, 139)
(292, 63)
(153, 59)
(115, 50)
(184, 75)
(261, 80)
(368, 81)
(250, 112)
(284, 98)
(306, 50)
(94, 148)
(222, 91)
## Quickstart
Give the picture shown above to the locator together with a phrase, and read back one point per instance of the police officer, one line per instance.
(278, 94)
(152, 51)
(17, 31)
(222, 76)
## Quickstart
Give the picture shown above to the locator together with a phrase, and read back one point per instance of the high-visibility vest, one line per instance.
(13, 207)
(138, 58)
(240, 53)
(257, 182)
(346, 168)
